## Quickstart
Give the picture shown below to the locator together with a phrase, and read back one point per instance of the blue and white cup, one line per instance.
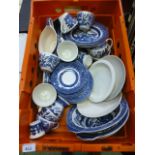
(85, 20)
(86, 59)
(53, 112)
(46, 77)
(36, 130)
(48, 61)
(67, 22)
(47, 125)
(102, 50)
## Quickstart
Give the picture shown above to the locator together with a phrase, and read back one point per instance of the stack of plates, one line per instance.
(72, 81)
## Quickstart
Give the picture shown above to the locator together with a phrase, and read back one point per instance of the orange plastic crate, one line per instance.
(109, 13)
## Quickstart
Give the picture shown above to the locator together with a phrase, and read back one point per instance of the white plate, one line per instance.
(47, 40)
(67, 51)
(120, 74)
(104, 79)
(44, 95)
(90, 109)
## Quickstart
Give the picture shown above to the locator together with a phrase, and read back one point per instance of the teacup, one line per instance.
(102, 50)
(48, 61)
(53, 112)
(67, 51)
(85, 20)
(67, 22)
(47, 125)
(86, 59)
(36, 130)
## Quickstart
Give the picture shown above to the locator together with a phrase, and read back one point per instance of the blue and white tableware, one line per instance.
(78, 123)
(68, 78)
(105, 133)
(96, 36)
(48, 61)
(47, 125)
(85, 20)
(67, 22)
(48, 38)
(102, 50)
(86, 59)
(36, 130)
(67, 51)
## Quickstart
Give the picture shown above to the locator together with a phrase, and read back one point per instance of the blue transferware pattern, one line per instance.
(97, 34)
(36, 128)
(81, 95)
(81, 124)
(48, 61)
(55, 79)
(85, 19)
(47, 125)
(67, 22)
(105, 133)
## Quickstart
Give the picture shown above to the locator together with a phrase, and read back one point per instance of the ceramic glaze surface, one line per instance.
(74, 83)
(95, 36)
(105, 133)
(78, 123)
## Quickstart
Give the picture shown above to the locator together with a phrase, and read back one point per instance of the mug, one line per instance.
(102, 50)
(36, 130)
(86, 59)
(47, 125)
(67, 22)
(48, 61)
(85, 20)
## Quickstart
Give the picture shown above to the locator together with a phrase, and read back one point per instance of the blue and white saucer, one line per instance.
(77, 97)
(105, 133)
(67, 78)
(81, 124)
(97, 34)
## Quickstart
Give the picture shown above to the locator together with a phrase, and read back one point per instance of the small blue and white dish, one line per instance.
(105, 133)
(78, 123)
(47, 125)
(36, 130)
(67, 78)
(85, 20)
(48, 61)
(102, 50)
(96, 36)
(81, 95)
(67, 22)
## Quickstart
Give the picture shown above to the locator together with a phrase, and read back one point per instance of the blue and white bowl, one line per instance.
(67, 22)
(67, 78)
(48, 61)
(36, 130)
(78, 123)
(96, 36)
(85, 20)
(105, 133)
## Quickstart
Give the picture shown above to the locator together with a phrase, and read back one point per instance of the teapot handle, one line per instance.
(49, 22)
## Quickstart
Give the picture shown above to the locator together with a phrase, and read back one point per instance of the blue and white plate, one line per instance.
(97, 34)
(105, 133)
(76, 97)
(81, 124)
(67, 78)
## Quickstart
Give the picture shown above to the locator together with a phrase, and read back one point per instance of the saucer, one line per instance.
(105, 133)
(92, 110)
(95, 36)
(78, 123)
(67, 77)
(81, 95)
